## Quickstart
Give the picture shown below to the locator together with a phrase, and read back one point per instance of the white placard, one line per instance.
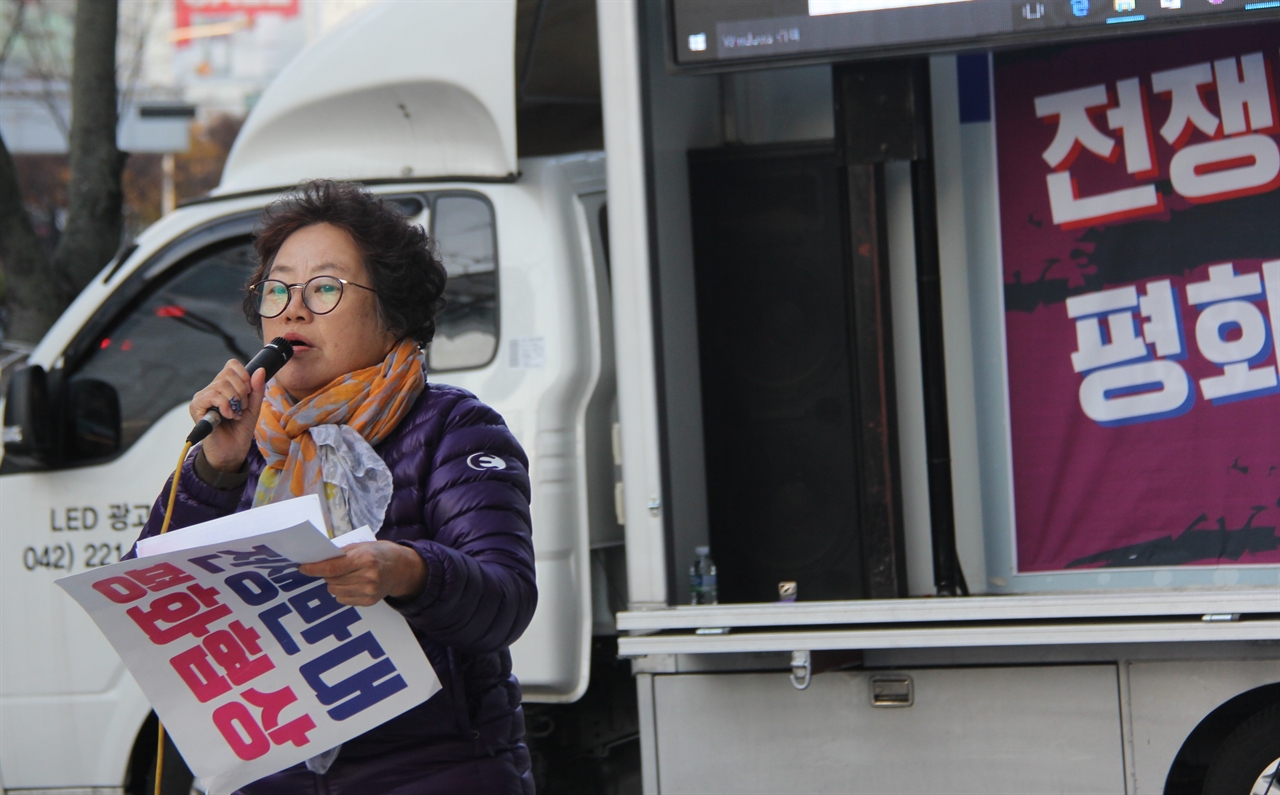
(252, 666)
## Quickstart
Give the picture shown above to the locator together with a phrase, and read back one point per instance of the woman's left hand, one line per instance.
(369, 572)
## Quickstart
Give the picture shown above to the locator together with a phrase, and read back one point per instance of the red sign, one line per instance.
(184, 10)
(1141, 248)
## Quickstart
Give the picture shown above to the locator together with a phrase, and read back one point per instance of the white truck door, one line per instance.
(165, 332)
(522, 332)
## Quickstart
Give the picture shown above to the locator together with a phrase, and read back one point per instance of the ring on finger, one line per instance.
(235, 404)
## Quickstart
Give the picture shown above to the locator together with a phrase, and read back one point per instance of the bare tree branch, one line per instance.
(28, 294)
(139, 32)
(15, 30)
(46, 65)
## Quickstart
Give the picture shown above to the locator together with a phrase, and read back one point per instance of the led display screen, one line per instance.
(724, 32)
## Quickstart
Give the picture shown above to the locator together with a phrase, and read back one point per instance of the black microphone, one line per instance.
(271, 358)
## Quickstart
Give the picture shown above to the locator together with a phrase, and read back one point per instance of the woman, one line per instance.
(356, 289)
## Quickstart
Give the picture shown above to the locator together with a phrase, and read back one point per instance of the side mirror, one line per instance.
(28, 423)
(93, 416)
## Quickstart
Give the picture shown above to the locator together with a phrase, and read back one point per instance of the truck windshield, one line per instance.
(173, 343)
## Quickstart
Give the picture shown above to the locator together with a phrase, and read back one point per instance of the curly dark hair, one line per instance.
(401, 261)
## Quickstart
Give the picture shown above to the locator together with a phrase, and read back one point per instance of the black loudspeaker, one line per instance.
(776, 334)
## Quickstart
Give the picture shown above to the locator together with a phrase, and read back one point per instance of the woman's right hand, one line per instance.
(228, 446)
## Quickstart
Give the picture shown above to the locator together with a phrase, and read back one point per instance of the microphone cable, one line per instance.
(272, 357)
(164, 528)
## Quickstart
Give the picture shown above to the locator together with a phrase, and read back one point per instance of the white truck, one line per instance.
(619, 347)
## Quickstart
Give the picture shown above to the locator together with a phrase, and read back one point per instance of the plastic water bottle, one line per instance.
(702, 578)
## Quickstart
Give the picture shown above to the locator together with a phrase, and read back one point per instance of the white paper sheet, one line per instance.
(360, 535)
(238, 525)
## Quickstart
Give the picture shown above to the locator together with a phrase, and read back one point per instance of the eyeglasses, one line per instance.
(320, 294)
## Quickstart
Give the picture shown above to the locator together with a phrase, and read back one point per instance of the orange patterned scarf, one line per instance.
(371, 402)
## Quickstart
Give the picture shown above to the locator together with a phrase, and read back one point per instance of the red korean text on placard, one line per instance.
(236, 654)
(250, 737)
(133, 585)
(179, 613)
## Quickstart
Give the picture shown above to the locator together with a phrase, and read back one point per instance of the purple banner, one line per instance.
(1140, 232)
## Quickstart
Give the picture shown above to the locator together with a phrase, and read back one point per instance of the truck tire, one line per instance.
(1242, 758)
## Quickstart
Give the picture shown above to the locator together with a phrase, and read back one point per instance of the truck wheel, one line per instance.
(1245, 764)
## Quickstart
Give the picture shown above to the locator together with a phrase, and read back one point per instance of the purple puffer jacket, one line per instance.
(472, 528)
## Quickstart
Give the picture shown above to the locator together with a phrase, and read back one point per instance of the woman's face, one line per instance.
(349, 338)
